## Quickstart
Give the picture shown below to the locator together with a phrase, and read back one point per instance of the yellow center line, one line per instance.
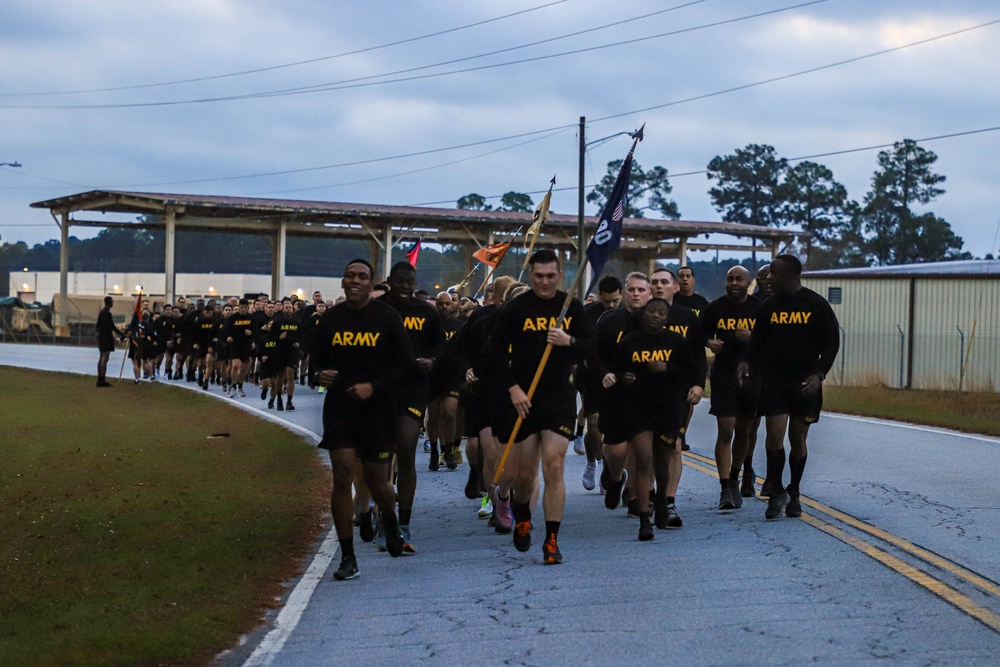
(959, 571)
(956, 598)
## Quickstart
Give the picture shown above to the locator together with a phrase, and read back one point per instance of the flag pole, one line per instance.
(121, 371)
(534, 237)
(636, 138)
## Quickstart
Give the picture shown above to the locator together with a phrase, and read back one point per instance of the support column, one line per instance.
(682, 258)
(469, 262)
(774, 249)
(169, 258)
(62, 328)
(387, 260)
(278, 261)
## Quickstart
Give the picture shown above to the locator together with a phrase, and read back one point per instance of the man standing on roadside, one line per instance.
(106, 331)
(794, 343)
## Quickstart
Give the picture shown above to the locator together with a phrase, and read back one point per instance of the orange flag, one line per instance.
(492, 255)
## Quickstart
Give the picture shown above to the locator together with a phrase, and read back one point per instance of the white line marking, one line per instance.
(914, 427)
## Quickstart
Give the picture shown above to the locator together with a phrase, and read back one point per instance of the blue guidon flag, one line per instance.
(608, 236)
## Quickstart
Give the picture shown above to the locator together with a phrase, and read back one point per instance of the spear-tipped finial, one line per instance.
(637, 135)
(553, 181)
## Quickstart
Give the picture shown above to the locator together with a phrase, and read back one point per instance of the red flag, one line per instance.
(137, 313)
(492, 255)
(414, 253)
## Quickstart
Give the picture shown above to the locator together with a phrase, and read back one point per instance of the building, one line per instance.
(917, 326)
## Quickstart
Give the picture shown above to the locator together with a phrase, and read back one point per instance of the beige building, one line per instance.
(918, 326)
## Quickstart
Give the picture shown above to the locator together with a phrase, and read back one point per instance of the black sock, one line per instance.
(775, 467)
(796, 467)
(670, 500)
(521, 511)
(347, 546)
(579, 430)
(552, 528)
(404, 515)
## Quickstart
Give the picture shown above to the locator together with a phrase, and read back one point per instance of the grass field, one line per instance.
(129, 537)
(969, 412)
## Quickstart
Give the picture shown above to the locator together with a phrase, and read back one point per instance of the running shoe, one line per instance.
(579, 446)
(485, 508)
(765, 489)
(365, 529)
(522, 536)
(427, 446)
(270, 404)
(645, 529)
(550, 551)
(590, 476)
(379, 535)
(394, 542)
(288, 404)
(449, 458)
(505, 518)
(263, 393)
(746, 488)
(408, 548)
(320, 390)
(457, 451)
(776, 505)
(434, 464)
(605, 478)
(660, 512)
(793, 509)
(726, 499)
(613, 498)
(348, 569)
(472, 485)
(241, 393)
(281, 404)
(734, 493)
(673, 518)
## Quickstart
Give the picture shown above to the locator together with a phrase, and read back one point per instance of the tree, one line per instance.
(473, 202)
(896, 235)
(651, 186)
(810, 198)
(748, 190)
(516, 201)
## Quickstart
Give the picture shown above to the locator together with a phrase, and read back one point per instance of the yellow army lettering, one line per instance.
(795, 317)
(543, 323)
(731, 323)
(645, 356)
(242, 323)
(682, 330)
(355, 339)
(414, 323)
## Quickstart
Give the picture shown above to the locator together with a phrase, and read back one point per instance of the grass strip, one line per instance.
(970, 412)
(129, 537)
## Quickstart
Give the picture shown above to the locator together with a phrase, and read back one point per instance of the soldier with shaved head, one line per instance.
(726, 324)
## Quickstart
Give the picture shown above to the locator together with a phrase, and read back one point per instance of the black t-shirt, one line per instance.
(365, 345)
(237, 327)
(656, 391)
(611, 328)
(422, 323)
(695, 302)
(519, 340)
(720, 320)
(596, 310)
(796, 335)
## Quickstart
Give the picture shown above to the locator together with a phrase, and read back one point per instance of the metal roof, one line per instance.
(955, 269)
(250, 214)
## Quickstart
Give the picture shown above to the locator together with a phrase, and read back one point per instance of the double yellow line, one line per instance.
(928, 581)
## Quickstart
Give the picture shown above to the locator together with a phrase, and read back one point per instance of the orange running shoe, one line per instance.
(522, 535)
(550, 551)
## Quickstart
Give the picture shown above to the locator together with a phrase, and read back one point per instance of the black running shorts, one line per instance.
(782, 395)
(552, 413)
(411, 398)
(731, 400)
(368, 427)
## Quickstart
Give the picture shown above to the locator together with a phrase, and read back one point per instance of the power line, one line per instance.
(335, 86)
(292, 64)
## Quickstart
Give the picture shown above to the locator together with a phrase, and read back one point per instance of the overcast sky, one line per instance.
(82, 106)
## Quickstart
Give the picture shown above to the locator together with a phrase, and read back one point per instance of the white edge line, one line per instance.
(914, 427)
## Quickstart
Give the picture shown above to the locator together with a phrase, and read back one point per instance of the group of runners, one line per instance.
(399, 363)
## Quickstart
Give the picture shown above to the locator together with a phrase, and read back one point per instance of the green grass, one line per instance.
(968, 412)
(128, 536)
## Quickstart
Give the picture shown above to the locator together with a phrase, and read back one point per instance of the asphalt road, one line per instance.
(895, 560)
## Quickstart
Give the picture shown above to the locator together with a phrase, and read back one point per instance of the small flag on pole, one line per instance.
(540, 216)
(136, 314)
(492, 255)
(414, 253)
(608, 236)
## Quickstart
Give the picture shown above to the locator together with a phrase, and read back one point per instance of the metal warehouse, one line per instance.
(917, 326)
